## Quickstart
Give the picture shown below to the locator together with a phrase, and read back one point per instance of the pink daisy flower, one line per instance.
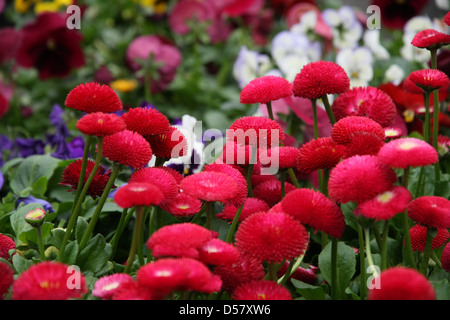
(217, 251)
(209, 186)
(265, 89)
(429, 79)
(430, 39)
(106, 286)
(432, 211)
(138, 194)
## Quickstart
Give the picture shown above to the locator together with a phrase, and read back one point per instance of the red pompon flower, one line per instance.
(256, 131)
(169, 144)
(236, 154)
(270, 191)
(318, 154)
(272, 237)
(432, 211)
(138, 194)
(100, 124)
(445, 257)
(176, 174)
(364, 143)
(72, 172)
(107, 286)
(182, 206)
(430, 39)
(93, 97)
(313, 208)
(241, 183)
(127, 148)
(343, 130)
(446, 18)
(261, 290)
(386, 205)
(160, 178)
(405, 152)
(217, 251)
(418, 234)
(6, 278)
(306, 275)
(6, 244)
(133, 291)
(251, 205)
(285, 156)
(49, 281)
(146, 121)
(429, 79)
(401, 283)
(209, 186)
(360, 178)
(179, 240)
(50, 47)
(245, 269)
(369, 102)
(319, 78)
(265, 89)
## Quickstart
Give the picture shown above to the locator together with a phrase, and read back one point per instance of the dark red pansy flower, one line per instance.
(71, 175)
(418, 234)
(100, 124)
(261, 290)
(146, 121)
(430, 39)
(319, 78)
(318, 154)
(343, 129)
(169, 144)
(432, 211)
(401, 283)
(6, 244)
(265, 89)
(395, 14)
(93, 97)
(50, 47)
(6, 278)
(138, 194)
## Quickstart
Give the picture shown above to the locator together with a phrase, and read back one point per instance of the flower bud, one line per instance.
(35, 217)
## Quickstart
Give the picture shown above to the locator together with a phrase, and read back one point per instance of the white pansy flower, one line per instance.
(346, 28)
(372, 41)
(394, 74)
(357, 63)
(306, 25)
(250, 65)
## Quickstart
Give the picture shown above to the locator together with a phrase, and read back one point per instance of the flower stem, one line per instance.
(384, 245)
(151, 223)
(362, 262)
(426, 125)
(326, 103)
(124, 219)
(369, 251)
(234, 224)
(136, 236)
(40, 243)
(98, 209)
(209, 213)
(316, 122)
(283, 180)
(272, 268)
(334, 280)
(437, 171)
(293, 177)
(84, 161)
(406, 225)
(427, 252)
(269, 110)
(250, 171)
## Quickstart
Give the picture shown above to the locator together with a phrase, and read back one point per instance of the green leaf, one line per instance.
(31, 170)
(309, 292)
(20, 263)
(80, 228)
(70, 253)
(39, 187)
(346, 265)
(58, 236)
(95, 255)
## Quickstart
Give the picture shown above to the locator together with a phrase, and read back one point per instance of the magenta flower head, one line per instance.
(429, 79)
(266, 89)
(430, 39)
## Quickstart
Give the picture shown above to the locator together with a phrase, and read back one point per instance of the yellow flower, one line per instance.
(158, 6)
(53, 6)
(22, 6)
(124, 85)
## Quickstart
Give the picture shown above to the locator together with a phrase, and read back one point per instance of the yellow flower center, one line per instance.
(407, 145)
(385, 197)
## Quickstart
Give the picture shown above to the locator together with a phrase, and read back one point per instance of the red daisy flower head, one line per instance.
(93, 97)
(430, 39)
(209, 186)
(72, 172)
(182, 206)
(179, 240)
(265, 89)
(251, 205)
(318, 154)
(49, 281)
(169, 144)
(418, 234)
(6, 244)
(146, 121)
(261, 290)
(445, 257)
(160, 178)
(364, 143)
(319, 78)
(241, 183)
(245, 269)
(236, 154)
(217, 251)
(401, 283)
(405, 152)
(271, 236)
(285, 155)
(344, 130)
(127, 148)
(429, 79)
(386, 205)
(432, 211)
(446, 18)
(107, 286)
(100, 124)
(306, 275)
(48, 45)
(313, 208)
(133, 291)
(270, 191)
(360, 178)
(138, 194)
(257, 131)
(174, 274)
(369, 102)
(6, 278)
(176, 174)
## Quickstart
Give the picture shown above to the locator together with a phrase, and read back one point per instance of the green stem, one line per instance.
(84, 161)
(250, 171)
(436, 259)
(140, 250)
(272, 268)
(124, 218)
(135, 241)
(40, 243)
(293, 265)
(209, 206)
(426, 124)
(293, 177)
(151, 223)
(283, 181)
(87, 235)
(334, 280)
(427, 252)
(406, 225)
(234, 224)
(326, 103)
(362, 262)
(384, 245)
(419, 183)
(369, 251)
(316, 122)
(269, 110)
(325, 177)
